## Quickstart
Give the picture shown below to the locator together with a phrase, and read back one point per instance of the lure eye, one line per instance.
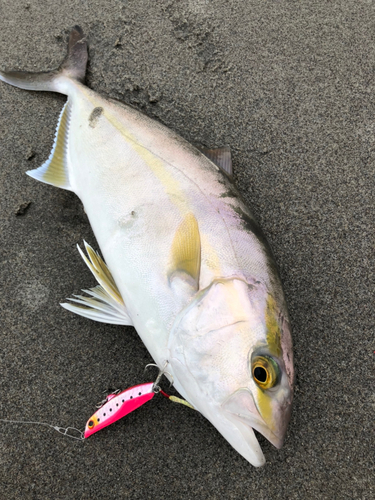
(265, 372)
(91, 424)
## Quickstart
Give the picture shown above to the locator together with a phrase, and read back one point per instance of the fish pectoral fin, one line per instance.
(100, 307)
(55, 170)
(105, 304)
(186, 252)
(221, 157)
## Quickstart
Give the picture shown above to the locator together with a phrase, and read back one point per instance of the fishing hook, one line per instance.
(156, 388)
(103, 402)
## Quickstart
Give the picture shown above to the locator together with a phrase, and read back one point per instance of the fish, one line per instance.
(183, 259)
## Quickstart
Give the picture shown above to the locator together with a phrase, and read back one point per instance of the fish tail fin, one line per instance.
(73, 67)
(55, 170)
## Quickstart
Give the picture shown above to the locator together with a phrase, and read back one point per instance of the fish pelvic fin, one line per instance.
(55, 170)
(104, 303)
(101, 272)
(100, 307)
(73, 67)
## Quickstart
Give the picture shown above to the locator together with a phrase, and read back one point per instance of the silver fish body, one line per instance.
(189, 265)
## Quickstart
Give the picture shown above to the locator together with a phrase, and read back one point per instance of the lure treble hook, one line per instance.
(107, 398)
(156, 388)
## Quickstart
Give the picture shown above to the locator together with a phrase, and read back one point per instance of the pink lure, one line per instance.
(117, 406)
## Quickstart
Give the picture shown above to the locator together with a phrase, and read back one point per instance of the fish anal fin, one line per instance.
(185, 259)
(55, 170)
(221, 157)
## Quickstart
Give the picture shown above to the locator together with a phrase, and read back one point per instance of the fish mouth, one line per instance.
(241, 409)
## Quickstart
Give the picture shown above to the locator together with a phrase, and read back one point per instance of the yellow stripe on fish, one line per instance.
(156, 165)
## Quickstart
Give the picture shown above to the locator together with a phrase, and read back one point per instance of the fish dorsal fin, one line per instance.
(105, 303)
(221, 157)
(55, 170)
(186, 251)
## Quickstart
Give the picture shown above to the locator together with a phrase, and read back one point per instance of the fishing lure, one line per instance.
(115, 406)
(119, 405)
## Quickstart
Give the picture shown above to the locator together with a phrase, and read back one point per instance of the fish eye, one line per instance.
(91, 424)
(260, 374)
(265, 371)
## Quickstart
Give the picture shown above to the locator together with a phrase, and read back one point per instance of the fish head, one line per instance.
(231, 354)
